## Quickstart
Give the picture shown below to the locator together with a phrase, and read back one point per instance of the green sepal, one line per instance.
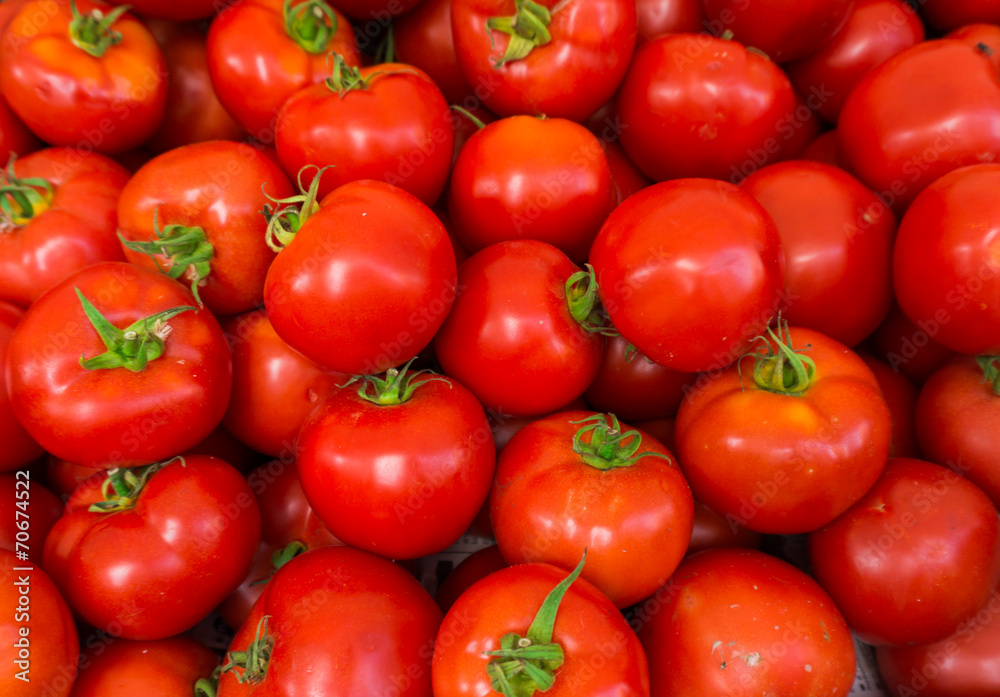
(92, 32)
(288, 215)
(122, 487)
(528, 28)
(187, 248)
(608, 447)
(584, 304)
(781, 369)
(282, 556)
(395, 388)
(991, 371)
(20, 199)
(310, 24)
(254, 660)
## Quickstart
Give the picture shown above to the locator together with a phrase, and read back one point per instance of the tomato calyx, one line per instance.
(584, 307)
(395, 388)
(22, 199)
(133, 347)
(991, 371)
(208, 687)
(252, 662)
(289, 214)
(608, 448)
(528, 28)
(310, 24)
(525, 664)
(282, 556)
(122, 487)
(92, 31)
(188, 249)
(469, 115)
(779, 368)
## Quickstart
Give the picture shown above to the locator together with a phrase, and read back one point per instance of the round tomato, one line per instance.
(668, 17)
(712, 530)
(980, 34)
(15, 138)
(423, 38)
(19, 447)
(901, 397)
(470, 570)
(909, 347)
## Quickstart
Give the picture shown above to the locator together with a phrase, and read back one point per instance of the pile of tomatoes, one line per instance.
(685, 312)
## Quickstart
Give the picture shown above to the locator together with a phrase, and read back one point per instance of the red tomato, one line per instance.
(626, 176)
(84, 76)
(64, 220)
(693, 105)
(875, 31)
(365, 283)
(668, 17)
(531, 605)
(354, 121)
(290, 49)
(926, 111)
(15, 138)
(909, 347)
(788, 440)
(38, 640)
(160, 668)
(578, 481)
(377, 10)
(711, 530)
(976, 34)
(528, 178)
(946, 263)
(193, 113)
(740, 622)
(689, 271)
(837, 236)
(63, 476)
(823, 148)
(958, 420)
(901, 397)
(516, 335)
(918, 554)
(109, 409)
(399, 466)
(163, 548)
(566, 62)
(19, 448)
(470, 570)
(783, 29)
(385, 625)
(951, 14)
(27, 512)
(176, 10)
(423, 38)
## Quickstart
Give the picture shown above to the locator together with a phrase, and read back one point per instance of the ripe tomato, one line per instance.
(946, 264)
(741, 622)
(512, 65)
(365, 283)
(538, 606)
(901, 397)
(693, 105)
(711, 530)
(823, 148)
(837, 236)
(668, 17)
(470, 570)
(38, 640)
(423, 38)
(27, 512)
(913, 558)
(19, 447)
(15, 138)
(787, 438)
(83, 74)
(578, 481)
(58, 213)
(378, 10)
(909, 347)
(176, 10)
(163, 546)
(951, 14)
(928, 110)
(385, 625)
(290, 50)
(516, 335)
(976, 34)
(528, 178)
(626, 176)
(128, 381)
(398, 466)
(195, 212)
(689, 271)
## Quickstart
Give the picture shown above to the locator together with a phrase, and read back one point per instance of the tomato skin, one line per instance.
(528, 178)
(703, 636)
(587, 626)
(779, 463)
(950, 15)
(176, 10)
(54, 646)
(975, 34)
(161, 668)
(19, 447)
(423, 38)
(26, 506)
(875, 31)
(958, 423)
(926, 111)
(548, 505)
(367, 136)
(657, 17)
(511, 326)
(592, 43)
(402, 480)
(692, 105)
(470, 570)
(908, 347)
(15, 137)
(666, 303)
(901, 397)
(115, 417)
(711, 530)
(379, 10)
(626, 176)
(946, 261)
(913, 558)
(399, 280)
(75, 230)
(783, 29)
(372, 602)
(67, 97)
(837, 237)
(822, 148)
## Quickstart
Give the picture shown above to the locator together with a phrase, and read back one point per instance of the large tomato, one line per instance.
(161, 668)
(689, 271)
(19, 447)
(115, 366)
(85, 74)
(913, 558)
(657, 17)
(549, 58)
(58, 213)
(901, 397)
(423, 38)
(146, 554)
(740, 622)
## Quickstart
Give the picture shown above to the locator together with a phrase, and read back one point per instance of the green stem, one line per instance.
(132, 347)
(469, 115)
(609, 448)
(310, 24)
(289, 214)
(92, 32)
(386, 51)
(281, 557)
(584, 305)
(122, 487)
(524, 665)
(22, 199)
(253, 662)
(528, 28)
(208, 687)
(780, 369)
(395, 388)
(991, 371)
